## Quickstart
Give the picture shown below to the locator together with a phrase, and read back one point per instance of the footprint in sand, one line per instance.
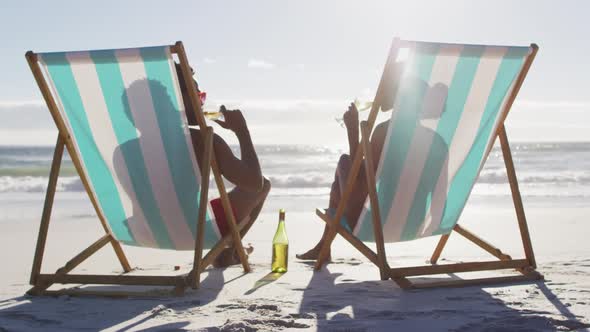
(524, 323)
(263, 307)
(230, 306)
(302, 315)
(301, 289)
(262, 324)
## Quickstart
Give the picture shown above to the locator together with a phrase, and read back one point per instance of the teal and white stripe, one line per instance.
(125, 115)
(449, 103)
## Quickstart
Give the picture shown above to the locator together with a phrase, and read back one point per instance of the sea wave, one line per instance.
(36, 184)
(305, 170)
(498, 177)
(303, 180)
(35, 171)
(293, 150)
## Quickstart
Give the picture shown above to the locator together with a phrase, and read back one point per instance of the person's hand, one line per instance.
(232, 120)
(351, 117)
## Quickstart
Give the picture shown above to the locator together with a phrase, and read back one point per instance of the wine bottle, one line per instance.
(280, 247)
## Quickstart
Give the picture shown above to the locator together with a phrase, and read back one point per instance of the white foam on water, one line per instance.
(543, 170)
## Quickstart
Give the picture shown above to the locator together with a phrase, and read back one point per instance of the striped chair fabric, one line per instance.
(449, 103)
(124, 111)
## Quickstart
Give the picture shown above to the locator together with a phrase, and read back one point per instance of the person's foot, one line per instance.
(312, 254)
(229, 256)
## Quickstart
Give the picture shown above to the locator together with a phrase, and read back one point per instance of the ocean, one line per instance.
(543, 169)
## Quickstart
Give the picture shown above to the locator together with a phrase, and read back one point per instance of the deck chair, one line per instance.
(449, 105)
(121, 117)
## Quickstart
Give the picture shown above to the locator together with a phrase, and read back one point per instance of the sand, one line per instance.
(347, 295)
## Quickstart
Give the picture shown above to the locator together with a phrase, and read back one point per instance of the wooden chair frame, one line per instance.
(526, 267)
(41, 281)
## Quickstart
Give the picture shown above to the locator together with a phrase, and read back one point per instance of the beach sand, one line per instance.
(347, 295)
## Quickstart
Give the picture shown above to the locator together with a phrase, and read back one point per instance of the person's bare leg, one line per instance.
(246, 205)
(253, 215)
(340, 177)
(313, 253)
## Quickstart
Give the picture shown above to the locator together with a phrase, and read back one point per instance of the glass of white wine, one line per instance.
(213, 115)
(361, 106)
(210, 111)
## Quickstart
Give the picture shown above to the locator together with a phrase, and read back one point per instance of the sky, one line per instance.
(293, 66)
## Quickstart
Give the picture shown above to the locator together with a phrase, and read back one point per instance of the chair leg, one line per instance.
(46, 216)
(403, 282)
(496, 252)
(439, 248)
(179, 289)
(205, 171)
(517, 199)
(121, 255)
(375, 211)
(231, 220)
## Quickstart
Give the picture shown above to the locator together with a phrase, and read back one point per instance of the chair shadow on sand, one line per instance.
(65, 312)
(353, 305)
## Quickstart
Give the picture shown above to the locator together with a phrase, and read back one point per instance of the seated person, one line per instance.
(359, 193)
(430, 106)
(251, 187)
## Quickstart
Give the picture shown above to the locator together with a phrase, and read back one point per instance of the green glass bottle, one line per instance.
(280, 247)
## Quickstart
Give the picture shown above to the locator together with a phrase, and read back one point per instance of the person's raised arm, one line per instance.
(351, 121)
(244, 173)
